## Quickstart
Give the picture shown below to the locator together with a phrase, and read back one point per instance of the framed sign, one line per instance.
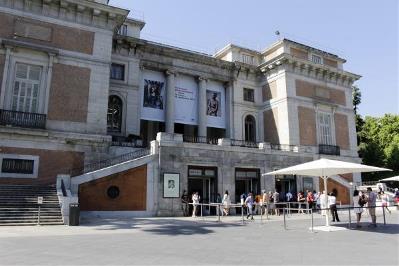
(171, 185)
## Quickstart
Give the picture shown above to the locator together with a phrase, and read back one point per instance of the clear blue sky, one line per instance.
(364, 32)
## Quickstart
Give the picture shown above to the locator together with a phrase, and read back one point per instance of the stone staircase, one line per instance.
(18, 205)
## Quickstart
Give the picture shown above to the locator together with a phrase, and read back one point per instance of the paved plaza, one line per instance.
(195, 241)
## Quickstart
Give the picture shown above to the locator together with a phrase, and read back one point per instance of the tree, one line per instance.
(356, 98)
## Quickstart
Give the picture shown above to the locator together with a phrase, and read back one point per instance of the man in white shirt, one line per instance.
(288, 196)
(332, 202)
(372, 198)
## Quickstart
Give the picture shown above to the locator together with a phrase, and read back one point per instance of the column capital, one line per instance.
(171, 72)
(201, 78)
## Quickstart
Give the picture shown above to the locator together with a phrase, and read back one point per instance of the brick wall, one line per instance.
(307, 126)
(311, 90)
(342, 191)
(270, 123)
(299, 53)
(132, 185)
(69, 93)
(341, 131)
(51, 163)
(57, 36)
(269, 91)
(329, 62)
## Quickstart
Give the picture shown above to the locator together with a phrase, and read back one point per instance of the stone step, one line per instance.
(31, 223)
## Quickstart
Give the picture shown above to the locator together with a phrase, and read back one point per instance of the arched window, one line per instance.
(250, 128)
(114, 115)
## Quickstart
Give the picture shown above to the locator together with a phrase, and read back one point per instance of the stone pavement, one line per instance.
(198, 241)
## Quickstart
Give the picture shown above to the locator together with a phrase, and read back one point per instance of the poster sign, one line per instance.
(153, 96)
(171, 185)
(186, 101)
(215, 105)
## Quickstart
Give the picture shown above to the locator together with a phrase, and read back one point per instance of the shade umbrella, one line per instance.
(393, 178)
(325, 169)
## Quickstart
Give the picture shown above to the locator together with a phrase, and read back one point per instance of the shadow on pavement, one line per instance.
(162, 226)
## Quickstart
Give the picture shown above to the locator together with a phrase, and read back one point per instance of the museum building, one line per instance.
(124, 125)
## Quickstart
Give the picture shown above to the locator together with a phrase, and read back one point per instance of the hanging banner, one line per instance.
(215, 105)
(153, 96)
(186, 101)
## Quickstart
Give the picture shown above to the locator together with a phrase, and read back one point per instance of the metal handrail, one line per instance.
(109, 162)
(284, 147)
(200, 139)
(22, 119)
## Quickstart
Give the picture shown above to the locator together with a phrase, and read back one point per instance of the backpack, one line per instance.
(362, 201)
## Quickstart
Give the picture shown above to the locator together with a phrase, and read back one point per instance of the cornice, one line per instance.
(82, 12)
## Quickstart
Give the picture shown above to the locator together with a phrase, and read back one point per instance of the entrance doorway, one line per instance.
(203, 180)
(285, 184)
(247, 180)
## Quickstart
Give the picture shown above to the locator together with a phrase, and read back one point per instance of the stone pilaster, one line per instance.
(170, 101)
(202, 119)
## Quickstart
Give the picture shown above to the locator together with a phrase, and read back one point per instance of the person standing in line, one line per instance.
(196, 199)
(288, 196)
(185, 201)
(276, 199)
(317, 200)
(358, 202)
(371, 202)
(219, 201)
(385, 201)
(226, 203)
(332, 203)
(249, 202)
(301, 200)
(310, 200)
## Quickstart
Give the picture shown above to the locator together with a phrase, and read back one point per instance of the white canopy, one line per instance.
(393, 178)
(326, 168)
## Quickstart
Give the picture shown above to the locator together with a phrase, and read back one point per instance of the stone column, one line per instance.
(5, 78)
(170, 102)
(48, 82)
(229, 109)
(202, 119)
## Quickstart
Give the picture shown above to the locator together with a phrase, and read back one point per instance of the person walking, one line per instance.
(332, 203)
(249, 202)
(195, 199)
(226, 203)
(358, 202)
(385, 201)
(371, 202)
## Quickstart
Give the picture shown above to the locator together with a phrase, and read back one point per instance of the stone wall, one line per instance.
(299, 53)
(329, 62)
(2, 62)
(69, 93)
(51, 163)
(132, 186)
(269, 91)
(48, 34)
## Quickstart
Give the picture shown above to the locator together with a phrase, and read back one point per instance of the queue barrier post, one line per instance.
(311, 221)
(350, 218)
(383, 213)
(285, 224)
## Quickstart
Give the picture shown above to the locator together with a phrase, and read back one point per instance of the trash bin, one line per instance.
(74, 214)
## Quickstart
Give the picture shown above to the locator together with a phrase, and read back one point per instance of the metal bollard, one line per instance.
(383, 213)
(38, 216)
(311, 222)
(242, 213)
(350, 221)
(285, 225)
(201, 209)
(267, 211)
(218, 206)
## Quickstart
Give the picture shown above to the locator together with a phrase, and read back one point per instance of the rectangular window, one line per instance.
(249, 95)
(248, 59)
(117, 71)
(26, 88)
(17, 166)
(123, 30)
(316, 59)
(325, 128)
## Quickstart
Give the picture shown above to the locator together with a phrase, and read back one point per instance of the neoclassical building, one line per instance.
(129, 124)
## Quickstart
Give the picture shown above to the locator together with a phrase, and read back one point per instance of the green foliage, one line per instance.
(356, 98)
(379, 143)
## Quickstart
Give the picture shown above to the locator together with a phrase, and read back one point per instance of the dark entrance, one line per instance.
(204, 181)
(247, 180)
(284, 184)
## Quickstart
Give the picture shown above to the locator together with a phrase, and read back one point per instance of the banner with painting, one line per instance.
(153, 96)
(215, 105)
(186, 100)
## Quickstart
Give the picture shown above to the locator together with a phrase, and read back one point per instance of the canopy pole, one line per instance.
(326, 200)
